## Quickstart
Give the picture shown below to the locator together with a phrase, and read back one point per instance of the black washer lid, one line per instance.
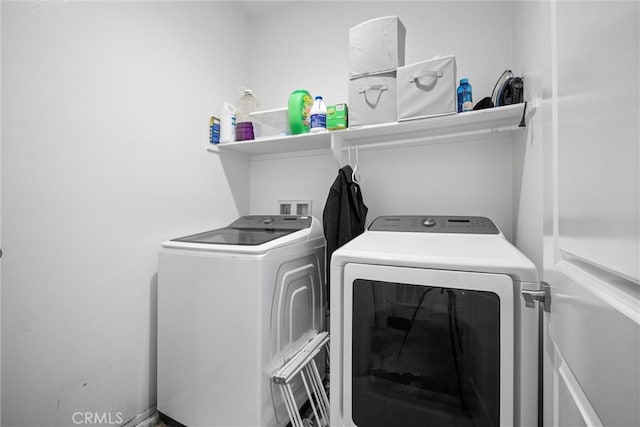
(251, 230)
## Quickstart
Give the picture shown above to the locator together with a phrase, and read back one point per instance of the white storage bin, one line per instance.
(270, 123)
(427, 88)
(372, 99)
(376, 46)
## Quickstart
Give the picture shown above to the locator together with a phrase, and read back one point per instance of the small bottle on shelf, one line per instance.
(465, 99)
(245, 105)
(319, 116)
(228, 123)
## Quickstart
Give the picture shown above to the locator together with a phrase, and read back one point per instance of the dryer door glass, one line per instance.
(424, 355)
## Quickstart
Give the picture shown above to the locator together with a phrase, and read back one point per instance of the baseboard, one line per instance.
(169, 422)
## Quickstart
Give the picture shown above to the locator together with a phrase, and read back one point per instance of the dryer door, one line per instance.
(427, 347)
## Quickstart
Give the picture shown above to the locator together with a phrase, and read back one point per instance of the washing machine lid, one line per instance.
(252, 234)
(456, 243)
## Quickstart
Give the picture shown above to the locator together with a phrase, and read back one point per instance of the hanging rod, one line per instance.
(340, 145)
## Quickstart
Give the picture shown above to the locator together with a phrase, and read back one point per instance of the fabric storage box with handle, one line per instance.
(372, 99)
(376, 46)
(427, 88)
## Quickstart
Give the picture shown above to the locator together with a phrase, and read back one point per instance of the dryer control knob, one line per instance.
(267, 220)
(428, 222)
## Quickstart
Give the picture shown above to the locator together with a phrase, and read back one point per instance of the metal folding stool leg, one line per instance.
(303, 364)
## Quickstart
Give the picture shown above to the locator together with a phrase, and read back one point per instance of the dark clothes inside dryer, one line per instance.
(412, 363)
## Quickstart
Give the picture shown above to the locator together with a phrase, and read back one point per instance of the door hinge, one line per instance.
(543, 296)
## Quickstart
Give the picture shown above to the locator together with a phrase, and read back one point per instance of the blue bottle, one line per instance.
(465, 99)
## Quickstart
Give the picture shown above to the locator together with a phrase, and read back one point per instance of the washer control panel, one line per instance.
(272, 222)
(435, 224)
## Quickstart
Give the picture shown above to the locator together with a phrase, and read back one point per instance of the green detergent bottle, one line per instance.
(300, 103)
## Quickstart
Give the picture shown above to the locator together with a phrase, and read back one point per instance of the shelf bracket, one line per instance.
(523, 122)
(337, 149)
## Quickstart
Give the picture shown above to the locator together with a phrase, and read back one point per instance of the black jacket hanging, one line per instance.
(344, 214)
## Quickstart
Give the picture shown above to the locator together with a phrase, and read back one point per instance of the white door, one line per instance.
(591, 250)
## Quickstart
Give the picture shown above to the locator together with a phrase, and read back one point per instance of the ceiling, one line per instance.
(257, 8)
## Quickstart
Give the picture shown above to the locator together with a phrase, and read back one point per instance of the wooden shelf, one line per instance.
(464, 125)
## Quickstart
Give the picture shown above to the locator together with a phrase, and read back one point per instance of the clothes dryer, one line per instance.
(234, 305)
(429, 326)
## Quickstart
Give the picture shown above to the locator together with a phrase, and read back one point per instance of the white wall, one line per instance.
(586, 111)
(532, 60)
(105, 112)
(105, 123)
(599, 134)
(1, 97)
(306, 44)
(298, 48)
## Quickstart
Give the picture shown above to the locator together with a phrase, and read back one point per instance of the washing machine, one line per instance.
(235, 304)
(429, 326)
